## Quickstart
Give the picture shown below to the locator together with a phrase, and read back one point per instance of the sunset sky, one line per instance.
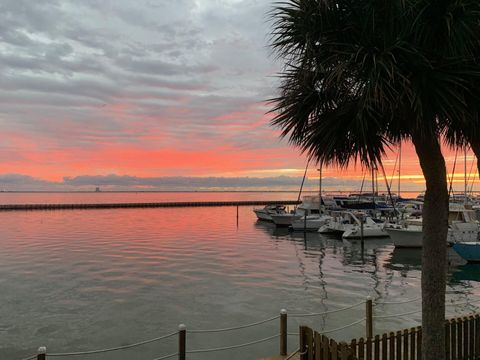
(151, 94)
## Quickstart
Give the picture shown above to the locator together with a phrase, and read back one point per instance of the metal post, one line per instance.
(303, 343)
(283, 332)
(369, 317)
(237, 215)
(42, 353)
(182, 341)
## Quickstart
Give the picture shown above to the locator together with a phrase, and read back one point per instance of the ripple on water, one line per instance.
(78, 280)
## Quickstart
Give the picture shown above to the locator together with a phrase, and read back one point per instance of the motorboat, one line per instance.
(310, 206)
(462, 227)
(349, 224)
(469, 250)
(372, 228)
(310, 222)
(269, 210)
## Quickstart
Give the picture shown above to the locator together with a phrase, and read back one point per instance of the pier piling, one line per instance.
(42, 353)
(182, 341)
(369, 317)
(283, 332)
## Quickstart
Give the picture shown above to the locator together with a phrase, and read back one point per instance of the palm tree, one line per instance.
(361, 75)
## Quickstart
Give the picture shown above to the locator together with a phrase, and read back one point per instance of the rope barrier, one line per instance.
(397, 302)
(255, 324)
(33, 357)
(99, 351)
(327, 312)
(343, 327)
(233, 346)
(292, 354)
(396, 315)
(166, 356)
(235, 327)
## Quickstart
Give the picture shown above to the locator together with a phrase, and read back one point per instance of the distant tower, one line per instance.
(97, 189)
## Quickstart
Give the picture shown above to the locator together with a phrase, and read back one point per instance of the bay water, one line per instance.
(76, 280)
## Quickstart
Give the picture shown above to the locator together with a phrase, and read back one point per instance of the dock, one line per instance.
(54, 206)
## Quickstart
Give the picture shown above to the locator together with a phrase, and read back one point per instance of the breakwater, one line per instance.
(17, 207)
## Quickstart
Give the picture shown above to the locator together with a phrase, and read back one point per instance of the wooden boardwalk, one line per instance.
(18, 207)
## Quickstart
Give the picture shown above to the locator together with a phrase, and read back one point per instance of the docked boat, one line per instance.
(372, 228)
(349, 224)
(269, 210)
(469, 251)
(310, 206)
(462, 227)
(310, 222)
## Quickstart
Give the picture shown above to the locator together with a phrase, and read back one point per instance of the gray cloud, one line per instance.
(18, 182)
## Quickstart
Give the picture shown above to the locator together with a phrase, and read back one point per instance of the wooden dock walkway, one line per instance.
(17, 207)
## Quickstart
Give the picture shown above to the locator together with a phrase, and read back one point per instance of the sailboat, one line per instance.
(313, 220)
(462, 225)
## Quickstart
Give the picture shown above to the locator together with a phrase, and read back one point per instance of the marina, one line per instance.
(88, 279)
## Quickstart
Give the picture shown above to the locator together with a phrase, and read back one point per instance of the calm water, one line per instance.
(86, 279)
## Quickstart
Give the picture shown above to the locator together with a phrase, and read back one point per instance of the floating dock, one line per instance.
(18, 207)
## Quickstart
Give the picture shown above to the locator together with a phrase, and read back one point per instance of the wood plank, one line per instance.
(419, 342)
(361, 349)
(368, 342)
(458, 323)
(466, 337)
(376, 347)
(398, 345)
(413, 347)
(453, 332)
(384, 347)
(477, 335)
(326, 348)
(318, 345)
(353, 347)
(309, 333)
(405, 344)
(344, 352)
(391, 346)
(333, 350)
(471, 339)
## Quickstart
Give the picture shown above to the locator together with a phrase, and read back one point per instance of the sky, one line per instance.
(152, 95)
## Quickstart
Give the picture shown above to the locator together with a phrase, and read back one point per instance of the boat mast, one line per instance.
(301, 186)
(399, 167)
(320, 187)
(465, 171)
(373, 185)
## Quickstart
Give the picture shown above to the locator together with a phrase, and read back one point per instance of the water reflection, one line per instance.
(405, 259)
(466, 273)
(112, 277)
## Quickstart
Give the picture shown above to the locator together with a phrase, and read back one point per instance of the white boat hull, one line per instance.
(313, 223)
(262, 215)
(368, 232)
(412, 237)
(285, 219)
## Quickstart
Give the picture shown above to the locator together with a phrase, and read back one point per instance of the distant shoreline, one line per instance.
(193, 191)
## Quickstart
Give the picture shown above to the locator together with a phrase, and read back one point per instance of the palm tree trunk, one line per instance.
(476, 149)
(434, 256)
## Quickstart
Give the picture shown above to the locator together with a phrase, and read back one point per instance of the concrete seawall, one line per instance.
(18, 207)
